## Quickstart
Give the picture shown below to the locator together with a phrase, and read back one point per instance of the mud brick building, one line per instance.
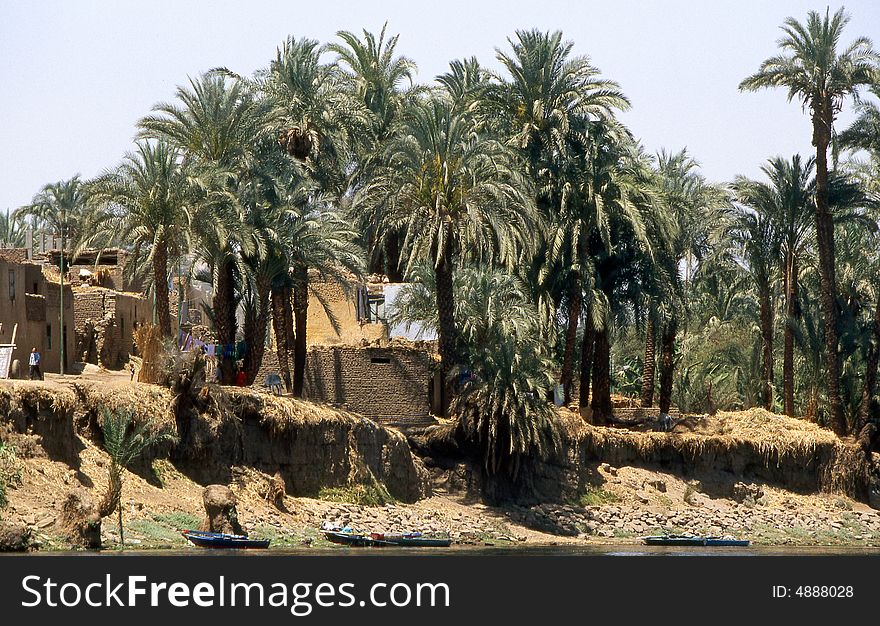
(354, 361)
(31, 299)
(104, 321)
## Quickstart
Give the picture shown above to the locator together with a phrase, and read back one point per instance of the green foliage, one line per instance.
(372, 494)
(10, 471)
(597, 496)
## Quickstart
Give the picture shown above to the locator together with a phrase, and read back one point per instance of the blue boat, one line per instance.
(693, 540)
(222, 540)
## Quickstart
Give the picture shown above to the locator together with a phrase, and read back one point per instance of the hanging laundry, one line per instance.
(210, 349)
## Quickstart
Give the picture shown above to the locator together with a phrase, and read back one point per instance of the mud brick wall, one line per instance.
(35, 307)
(342, 308)
(391, 385)
(382, 383)
(105, 321)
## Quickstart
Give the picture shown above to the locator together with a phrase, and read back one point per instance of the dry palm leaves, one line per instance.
(297, 141)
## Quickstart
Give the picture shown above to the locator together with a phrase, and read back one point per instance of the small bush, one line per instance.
(10, 471)
(369, 495)
(597, 497)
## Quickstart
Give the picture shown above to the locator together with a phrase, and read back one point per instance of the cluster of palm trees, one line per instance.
(540, 238)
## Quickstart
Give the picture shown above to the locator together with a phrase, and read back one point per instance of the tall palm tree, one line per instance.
(457, 196)
(813, 70)
(145, 203)
(60, 208)
(786, 201)
(550, 105)
(218, 123)
(759, 245)
(698, 211)
(383, 83)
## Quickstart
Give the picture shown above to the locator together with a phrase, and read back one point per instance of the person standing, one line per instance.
(34, 365)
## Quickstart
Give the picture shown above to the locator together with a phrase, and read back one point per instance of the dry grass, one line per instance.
(792, 451)
(148, 403)
(154, 355)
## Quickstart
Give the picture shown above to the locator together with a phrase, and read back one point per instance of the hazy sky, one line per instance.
(76, 76)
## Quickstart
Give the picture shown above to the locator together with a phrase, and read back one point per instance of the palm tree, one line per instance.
(501, 411)
(125, 441)
(383, 83)
(457, 196)
(12, 231)
(317, 239)
(60, 208)
(812, 70)
(698, 213)
(759, 245)
(145, 203)
(551, 105)
(786, 202)
(219, 125)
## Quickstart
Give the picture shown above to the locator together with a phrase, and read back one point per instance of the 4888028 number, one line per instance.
(824, 591)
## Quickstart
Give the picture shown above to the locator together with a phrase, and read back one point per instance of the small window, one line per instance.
(380, 359)
(122, 326)
(36, 288)
(12, 284)
(48, 336)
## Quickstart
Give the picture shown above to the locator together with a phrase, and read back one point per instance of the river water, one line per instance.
(513, 551)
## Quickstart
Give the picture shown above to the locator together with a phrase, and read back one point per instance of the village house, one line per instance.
(30, 308)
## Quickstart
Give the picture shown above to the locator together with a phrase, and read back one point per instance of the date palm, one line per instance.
(549, 104)
(458, 197)
(813, 70)
(786, 201)
(383, 83)
(218, 123)
(145, 203)
(60, 208)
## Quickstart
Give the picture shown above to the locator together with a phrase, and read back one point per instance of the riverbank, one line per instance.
(341, 468)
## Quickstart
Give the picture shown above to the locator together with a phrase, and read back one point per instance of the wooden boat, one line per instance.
(376, 540)
(693, 540)
(221, 540)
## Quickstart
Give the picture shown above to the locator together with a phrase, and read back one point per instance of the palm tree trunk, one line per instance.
(601, 405)
(160, 281)
(650, 364)
(766, 315)
(281, 340)
(667, 364)
(870, 372)
(255, 340)
(300, 314)
(446, 313)
(287, 302)
(587, 346)
(224, 314)
(822, 120)
(392, 257)
(575, 302)
(791, 315)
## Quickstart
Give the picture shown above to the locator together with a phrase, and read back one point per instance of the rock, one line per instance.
(80, 520)
(642, 497)
(741, 491)
(14, 538)
(659, 485)
(220, 511)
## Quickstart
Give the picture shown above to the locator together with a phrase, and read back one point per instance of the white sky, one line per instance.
(76, 76)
